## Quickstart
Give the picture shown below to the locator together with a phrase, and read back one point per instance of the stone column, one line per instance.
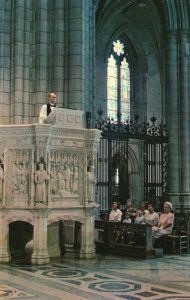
(92, 103)
(5, 80)
(56, 50)
(87, 235)
(172, 115)
(75, 54)
(4, 234)
(20, 61)
(184, 134)
(17, 66)
(27, 84)
(40, 54)
(40, 251)
(78, 53)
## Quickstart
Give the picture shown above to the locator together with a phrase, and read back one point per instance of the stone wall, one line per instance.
(45, 46)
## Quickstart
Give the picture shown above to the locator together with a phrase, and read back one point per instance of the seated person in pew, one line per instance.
(139, 219)
(115, 216)
(137, 237)
(166, 222)
(129, 236)
(143, 205)
(129, 210)
(150, 216)
(127, 219)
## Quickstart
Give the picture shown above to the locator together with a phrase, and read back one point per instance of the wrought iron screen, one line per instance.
(155, 172)
(113, 160)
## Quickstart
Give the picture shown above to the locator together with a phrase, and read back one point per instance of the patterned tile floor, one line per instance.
(105, 278)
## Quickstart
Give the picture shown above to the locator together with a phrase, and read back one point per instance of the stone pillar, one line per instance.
(27, 83)
(78, 53)
(184, 115)
(53, 240)
(87, 235)
(92, 103)
(56, 50)
(172, 115)
(17, 66)
(40, 251)
(4, 234)
(5, 80)
(40, 54)
(75, 54)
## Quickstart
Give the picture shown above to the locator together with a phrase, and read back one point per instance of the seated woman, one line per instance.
(115, 214)
(150, 216)
(165, 224)
(143, 205)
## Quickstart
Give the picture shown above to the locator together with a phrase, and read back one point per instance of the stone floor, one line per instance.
(105, 278)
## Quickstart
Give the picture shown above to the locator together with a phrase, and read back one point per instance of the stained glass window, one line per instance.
(125, 89)
(112, 88)
(118, 83)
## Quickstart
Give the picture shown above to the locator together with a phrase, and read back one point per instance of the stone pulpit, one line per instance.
(47, 175)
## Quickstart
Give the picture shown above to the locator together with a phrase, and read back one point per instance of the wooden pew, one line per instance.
(139, 243)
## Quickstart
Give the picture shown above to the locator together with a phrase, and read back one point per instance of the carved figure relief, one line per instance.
(20, 180)
(91, 181)
(20, 165)
(64, 180)
(41, 177)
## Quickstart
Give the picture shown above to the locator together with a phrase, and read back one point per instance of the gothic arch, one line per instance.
(138, 66)
(129, 159)
(119, 19)
(133, 42)
(133, 161)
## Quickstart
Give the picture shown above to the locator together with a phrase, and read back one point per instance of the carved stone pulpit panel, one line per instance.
(45, 177)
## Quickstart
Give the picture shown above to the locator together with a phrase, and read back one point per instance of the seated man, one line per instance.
(165, 224)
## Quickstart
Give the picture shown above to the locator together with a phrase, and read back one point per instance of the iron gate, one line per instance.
(113, 167)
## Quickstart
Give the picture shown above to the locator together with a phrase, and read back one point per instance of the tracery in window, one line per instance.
(118, 83)
(118, 47)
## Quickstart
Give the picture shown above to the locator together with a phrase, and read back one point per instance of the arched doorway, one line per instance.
(64, 237)
(120, 180)
(20, 233)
